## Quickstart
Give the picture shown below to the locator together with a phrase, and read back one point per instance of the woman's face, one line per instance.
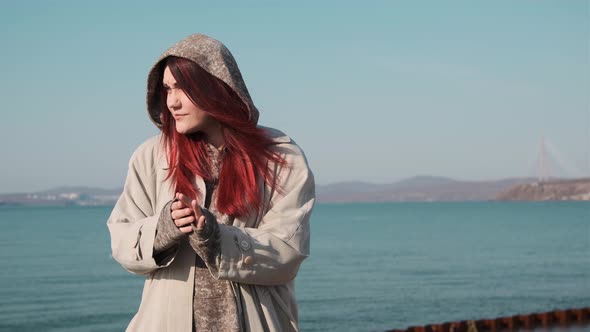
(189, 117)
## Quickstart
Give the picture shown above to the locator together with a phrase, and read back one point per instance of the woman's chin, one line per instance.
(186, 130)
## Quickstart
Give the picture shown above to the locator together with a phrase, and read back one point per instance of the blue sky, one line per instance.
(377, 91)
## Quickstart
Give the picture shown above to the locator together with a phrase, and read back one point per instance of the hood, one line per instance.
(213, 57)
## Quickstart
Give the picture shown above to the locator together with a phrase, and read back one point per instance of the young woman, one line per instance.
(215, 209)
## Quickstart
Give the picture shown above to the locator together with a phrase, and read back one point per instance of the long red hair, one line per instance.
(247, 147)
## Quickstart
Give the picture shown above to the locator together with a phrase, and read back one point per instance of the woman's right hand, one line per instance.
(183, 214)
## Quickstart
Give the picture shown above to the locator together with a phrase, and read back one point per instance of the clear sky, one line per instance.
(373, 91)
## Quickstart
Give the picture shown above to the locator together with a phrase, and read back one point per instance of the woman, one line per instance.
(215, 210)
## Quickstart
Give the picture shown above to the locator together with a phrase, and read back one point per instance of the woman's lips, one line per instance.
(177, 116)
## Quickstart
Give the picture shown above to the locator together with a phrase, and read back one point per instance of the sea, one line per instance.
(373, 266)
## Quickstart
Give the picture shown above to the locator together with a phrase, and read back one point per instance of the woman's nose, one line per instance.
(173, 101)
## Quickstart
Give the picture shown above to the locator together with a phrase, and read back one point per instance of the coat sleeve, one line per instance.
(133, 221)
(272, 253)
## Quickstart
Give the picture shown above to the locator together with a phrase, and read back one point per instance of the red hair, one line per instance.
(247, 147)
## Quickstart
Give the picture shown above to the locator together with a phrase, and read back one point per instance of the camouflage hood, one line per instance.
(213, 57)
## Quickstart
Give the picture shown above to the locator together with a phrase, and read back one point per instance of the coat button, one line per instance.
(245, 244)
(248, 260)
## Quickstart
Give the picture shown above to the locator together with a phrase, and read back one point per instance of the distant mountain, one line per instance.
(85, 190)
(554, 190)
(419, 188)
(415, 189)
(424, 181)
(86, 196)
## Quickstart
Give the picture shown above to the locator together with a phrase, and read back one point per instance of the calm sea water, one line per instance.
(373, 266)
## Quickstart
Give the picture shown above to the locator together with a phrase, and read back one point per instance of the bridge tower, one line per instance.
(543, 171)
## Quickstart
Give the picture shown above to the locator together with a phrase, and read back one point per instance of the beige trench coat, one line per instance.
(277, 242)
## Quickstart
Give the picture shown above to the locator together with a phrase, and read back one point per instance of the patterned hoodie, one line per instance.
(212, 56)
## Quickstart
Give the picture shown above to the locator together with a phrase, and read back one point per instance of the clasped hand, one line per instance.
(186, 213)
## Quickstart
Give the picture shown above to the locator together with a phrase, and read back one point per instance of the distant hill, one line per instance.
(554, 190)
(415, 189)
(93, 191)
(62, 196)
(419, 188)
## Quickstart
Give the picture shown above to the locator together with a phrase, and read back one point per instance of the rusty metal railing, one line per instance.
(557, 318)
